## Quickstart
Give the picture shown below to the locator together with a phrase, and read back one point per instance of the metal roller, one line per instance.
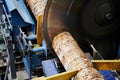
(73, 58)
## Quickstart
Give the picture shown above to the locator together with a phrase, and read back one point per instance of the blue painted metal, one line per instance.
(15, 32)
(31, 62)
(32, 37)
(24, 41)
(49, 67)
(35, 61)
(107, 74)
(27, 64)
(20, 15)
(41, 48)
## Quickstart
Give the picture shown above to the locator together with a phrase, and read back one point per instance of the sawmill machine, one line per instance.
(60, 39)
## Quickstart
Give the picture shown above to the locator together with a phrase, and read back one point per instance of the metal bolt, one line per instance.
(108, 16)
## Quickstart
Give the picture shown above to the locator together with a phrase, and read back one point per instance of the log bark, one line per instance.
(37, 6)
(72, 57)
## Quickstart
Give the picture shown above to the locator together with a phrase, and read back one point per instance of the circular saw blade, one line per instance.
(93, 20)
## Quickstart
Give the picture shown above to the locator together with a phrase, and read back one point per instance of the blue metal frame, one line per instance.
(41, 48)
(19, 12)
(49, 67)
(20, 18)
(107, 74)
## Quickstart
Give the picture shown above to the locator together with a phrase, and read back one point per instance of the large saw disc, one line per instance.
(94, 21)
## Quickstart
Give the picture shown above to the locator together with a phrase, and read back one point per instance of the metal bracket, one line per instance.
(62, 76)
(106, 64)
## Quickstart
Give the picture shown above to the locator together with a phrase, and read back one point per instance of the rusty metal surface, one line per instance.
(73, 58)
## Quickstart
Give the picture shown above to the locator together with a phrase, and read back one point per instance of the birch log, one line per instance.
(37, 6)
(72, 57)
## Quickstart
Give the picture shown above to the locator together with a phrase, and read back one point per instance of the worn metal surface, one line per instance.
(72, 57)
